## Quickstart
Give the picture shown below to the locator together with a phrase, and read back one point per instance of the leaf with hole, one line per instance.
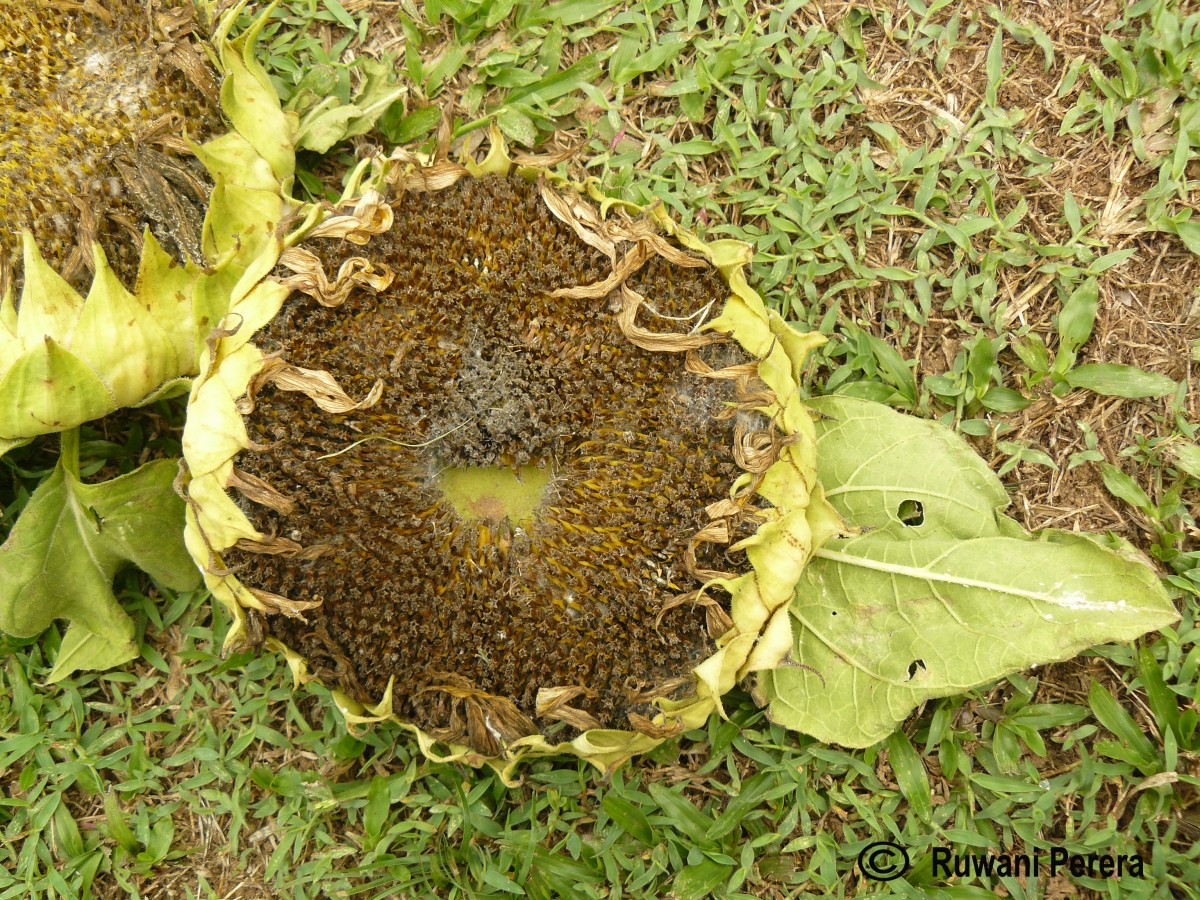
(909, 610)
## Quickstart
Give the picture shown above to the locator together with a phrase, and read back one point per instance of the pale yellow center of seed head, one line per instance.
(495, 493)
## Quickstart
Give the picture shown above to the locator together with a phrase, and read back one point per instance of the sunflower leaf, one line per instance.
(72, 538)
(943, 593)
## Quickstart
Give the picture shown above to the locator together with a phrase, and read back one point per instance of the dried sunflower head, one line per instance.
(569, 506)
(104, 190)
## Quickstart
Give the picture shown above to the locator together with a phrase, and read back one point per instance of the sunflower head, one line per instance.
(520, 467)
(126, 237)
(95, 101)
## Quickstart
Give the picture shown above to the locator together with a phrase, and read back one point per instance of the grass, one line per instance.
(980, 206)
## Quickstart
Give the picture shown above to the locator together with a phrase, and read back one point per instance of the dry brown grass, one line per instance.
(1148, 311)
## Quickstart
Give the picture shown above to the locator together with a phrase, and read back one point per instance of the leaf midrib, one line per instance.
(925, 574)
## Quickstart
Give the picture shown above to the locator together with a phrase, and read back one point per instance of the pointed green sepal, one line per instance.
(48, 389)
(122, 341)
(165, 288)
(8, 325)
(49, 306)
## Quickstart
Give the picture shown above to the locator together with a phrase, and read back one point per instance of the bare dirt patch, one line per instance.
(1147, 317)
(1149, 307)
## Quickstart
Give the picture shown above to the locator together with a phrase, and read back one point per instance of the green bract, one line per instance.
(65, 359)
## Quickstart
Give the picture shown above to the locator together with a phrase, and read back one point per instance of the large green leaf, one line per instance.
(60, 559)
(940, 592)
(868, 476)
